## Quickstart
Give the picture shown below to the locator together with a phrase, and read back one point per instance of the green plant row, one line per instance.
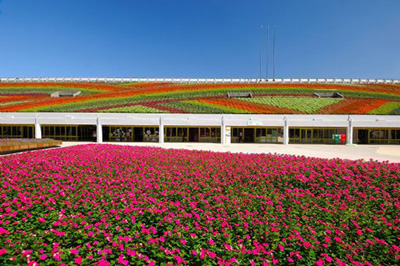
(132, 109)
(387, 108)
(194, 107)
(306, 105)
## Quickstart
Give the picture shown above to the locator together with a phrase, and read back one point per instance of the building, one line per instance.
(212, 128)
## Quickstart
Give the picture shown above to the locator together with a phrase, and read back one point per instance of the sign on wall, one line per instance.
(227, 135)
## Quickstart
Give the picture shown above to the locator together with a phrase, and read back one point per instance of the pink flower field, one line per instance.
(124, 205)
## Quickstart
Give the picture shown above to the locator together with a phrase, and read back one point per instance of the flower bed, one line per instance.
(97, 97)
(149, 206)
(11, 145)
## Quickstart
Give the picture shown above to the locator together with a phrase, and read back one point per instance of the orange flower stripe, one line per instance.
(15, 98)
(362, 106)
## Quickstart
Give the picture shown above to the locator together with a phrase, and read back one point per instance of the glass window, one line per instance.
(316, 133)
(396, 134)
(216, 132)
(385, 134)
(328, 133)
(259, 132)
(294, 133)
(204, 132)
(235, 132)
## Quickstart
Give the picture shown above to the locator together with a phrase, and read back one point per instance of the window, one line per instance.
(204, 132)
(294, 133)
(215, 132)
(395, 133)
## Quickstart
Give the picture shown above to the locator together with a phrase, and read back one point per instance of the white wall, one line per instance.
(200, 119)
(226, 120)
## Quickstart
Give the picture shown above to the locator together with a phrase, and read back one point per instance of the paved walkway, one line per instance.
(389, 153)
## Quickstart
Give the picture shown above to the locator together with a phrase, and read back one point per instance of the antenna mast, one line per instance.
(266, 74)
(261, 27)
(273, 60)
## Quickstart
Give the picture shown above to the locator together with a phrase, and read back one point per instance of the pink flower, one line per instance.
(290, 259)
(103, 262)
(3, 231)
(122, 261)
(74, 251)
(26, 252)
(43, 257)
(42, 220)
(131, 252)
(183, 241)
(3, 251)
(211, 242)
(194, 253)
(78, 260)
(281, 247)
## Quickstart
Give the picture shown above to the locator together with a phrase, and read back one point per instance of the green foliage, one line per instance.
(306, 105)
(132, 109)
(194, 107)
(221, 107)
(391, 108)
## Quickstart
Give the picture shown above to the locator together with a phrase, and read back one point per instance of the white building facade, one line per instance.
(225, 129)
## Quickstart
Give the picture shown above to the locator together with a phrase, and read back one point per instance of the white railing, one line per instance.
(203, 80)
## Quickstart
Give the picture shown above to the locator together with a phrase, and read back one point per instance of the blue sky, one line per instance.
(198, 39)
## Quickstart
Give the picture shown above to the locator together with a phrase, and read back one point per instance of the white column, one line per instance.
(285, 132)
(38, 129)
(161, 131)
(223, 132)
(350, 132)
(99, 131)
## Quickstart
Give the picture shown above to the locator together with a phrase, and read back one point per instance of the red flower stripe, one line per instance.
(251, 107)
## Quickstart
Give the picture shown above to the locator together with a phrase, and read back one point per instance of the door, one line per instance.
(362, 136)
(249, 135)
(306, 135)
(138, 134)
(27, 132)
(193, 134)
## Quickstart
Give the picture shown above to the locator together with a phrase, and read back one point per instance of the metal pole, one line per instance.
(266, 74)
(273, 56)
(261, 51)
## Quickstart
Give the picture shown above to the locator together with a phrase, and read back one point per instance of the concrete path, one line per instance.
(389, 153)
